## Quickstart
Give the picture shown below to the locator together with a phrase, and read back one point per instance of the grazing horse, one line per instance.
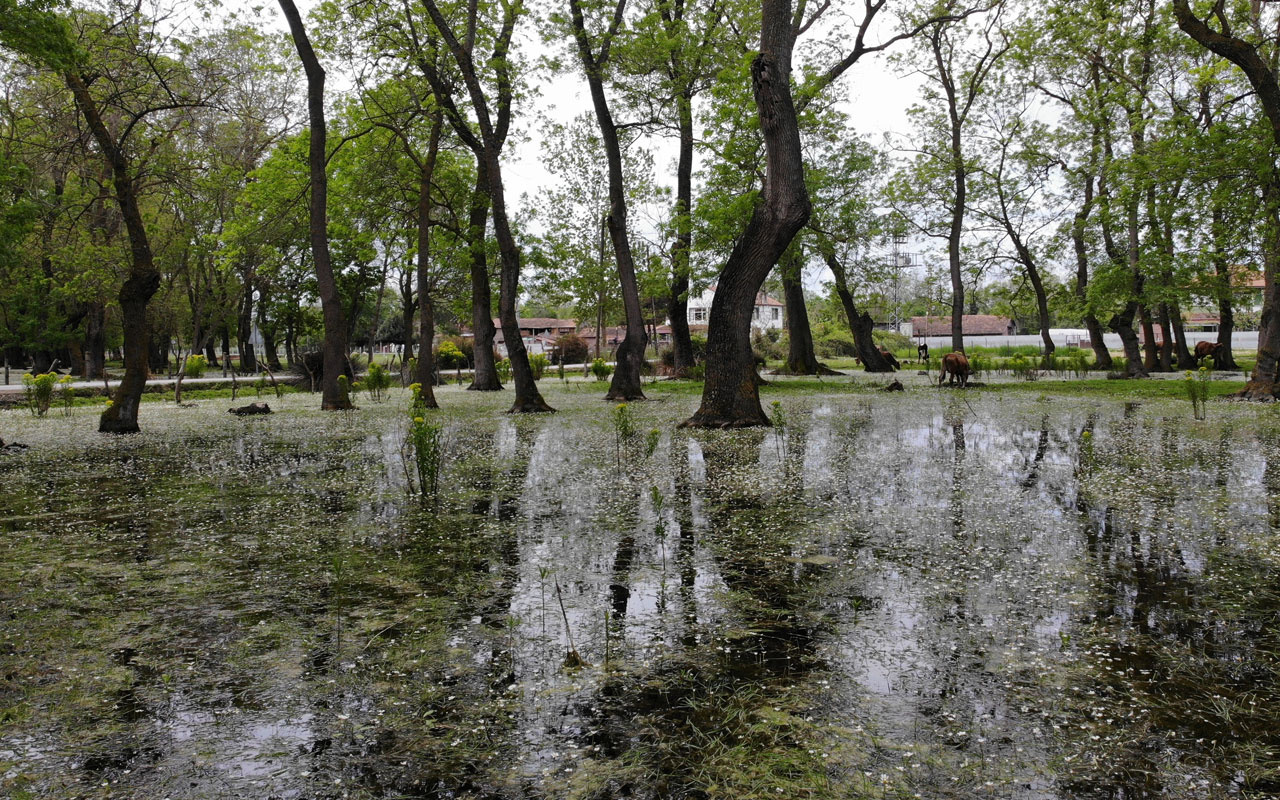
(955, 366)
(1208, 350)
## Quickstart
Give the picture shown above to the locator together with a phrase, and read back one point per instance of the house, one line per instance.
(539, 333)
(767, 313)
(971, 325)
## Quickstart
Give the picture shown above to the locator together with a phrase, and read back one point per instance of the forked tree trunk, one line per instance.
(1122, 324)
(861, 325)
(730, 395)
(335, 326)
(1150, 351)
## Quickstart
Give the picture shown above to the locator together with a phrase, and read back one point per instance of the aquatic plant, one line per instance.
(1197, 386)
(377, 381)
(66, 394)
(425, 439)
(779, 420)
(39, 392)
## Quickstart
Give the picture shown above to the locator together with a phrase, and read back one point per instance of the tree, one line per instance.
(125, 64)
(730, 396)
(595, 61)
(958, 63)
(335, 324)
(1254, 57)
(492, 117)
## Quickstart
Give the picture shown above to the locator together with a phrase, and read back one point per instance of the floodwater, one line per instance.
(924, 595)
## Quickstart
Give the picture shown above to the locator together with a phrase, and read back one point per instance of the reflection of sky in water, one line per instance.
(938, 584)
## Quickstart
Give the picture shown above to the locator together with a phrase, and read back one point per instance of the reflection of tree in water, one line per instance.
(957, 478)
(1177, 657)
(694, 705)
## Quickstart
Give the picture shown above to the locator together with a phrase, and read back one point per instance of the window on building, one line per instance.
(777, 314)
(755, 312)
(699, 314)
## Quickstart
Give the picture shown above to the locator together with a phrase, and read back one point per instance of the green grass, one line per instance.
(1134, 388)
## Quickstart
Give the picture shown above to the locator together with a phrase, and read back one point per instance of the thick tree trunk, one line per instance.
(1122, 324)
(1164, 353)
(730, 395)
(335, 325)
(801, 360)
(1150, 350)
(485, 374)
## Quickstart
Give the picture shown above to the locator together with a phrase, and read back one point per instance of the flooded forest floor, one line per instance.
(932, 594)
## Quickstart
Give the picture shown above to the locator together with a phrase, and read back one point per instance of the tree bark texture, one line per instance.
(681, 340)
(730, 395)
(861, 324)
(335, 324)
(485, 371)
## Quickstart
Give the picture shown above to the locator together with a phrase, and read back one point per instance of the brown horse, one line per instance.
(955, 366)
(1208, 350)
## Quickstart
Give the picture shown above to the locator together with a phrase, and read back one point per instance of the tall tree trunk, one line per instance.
(268, 334)
(730, 395)
(1165, 351)
(335, 325)
(143, 278)
(801, 360)
(630, 359)
(678, 304)
(485, 374)
(244, 325)
(1222, 291)
(1180, 350)
(95, 341)
(1101, 356)
(1150, 350)
(426, 377)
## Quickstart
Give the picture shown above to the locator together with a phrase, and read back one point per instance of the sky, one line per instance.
(878, 99)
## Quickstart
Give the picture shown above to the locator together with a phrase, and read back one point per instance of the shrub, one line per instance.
(377, 382)
(503, 367)
(571, 349)
(601, 370)
(450, 356)
(195, 366)
(835, 344)
(538, 362)
(890, 340)
(39, 392)
(766, 346)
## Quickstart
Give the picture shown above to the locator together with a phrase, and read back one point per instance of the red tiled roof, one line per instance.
(972, 325)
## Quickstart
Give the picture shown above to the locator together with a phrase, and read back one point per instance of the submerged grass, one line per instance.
(935, 594)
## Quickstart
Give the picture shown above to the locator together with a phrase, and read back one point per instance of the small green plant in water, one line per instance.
(601, 370)
(66, 394)
(39, 392)
(779, 420)
(1198, 392)
(651, 442)
(377, 382)
(427, 442)
(195, 366)
(624, 428)
(344, 390)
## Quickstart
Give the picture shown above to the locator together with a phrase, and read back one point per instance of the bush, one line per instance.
(835, 344)
(503, 367)
(377, 382)
(538, 362)
(39, 392)
(766, 345)
(450, 356)
(601, 370)
(195, 366)
(571, 349)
